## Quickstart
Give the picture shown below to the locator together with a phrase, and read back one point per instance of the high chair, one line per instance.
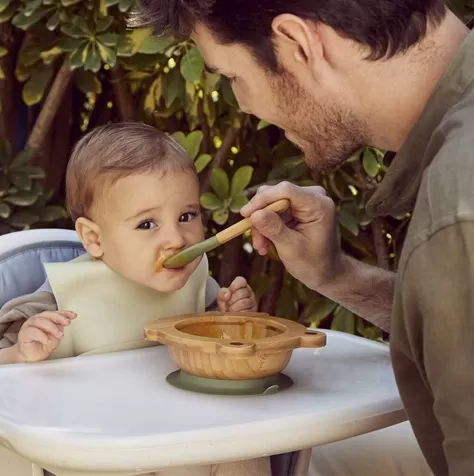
(391, 452)
(21, 272)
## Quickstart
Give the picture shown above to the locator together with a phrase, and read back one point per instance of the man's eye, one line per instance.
(146, 225)
(185, 217)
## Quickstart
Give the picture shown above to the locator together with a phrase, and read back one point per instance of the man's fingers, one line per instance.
(271, 226)
(259, 242)
(306, 203)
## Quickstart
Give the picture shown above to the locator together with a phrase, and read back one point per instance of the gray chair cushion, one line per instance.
(22, 271)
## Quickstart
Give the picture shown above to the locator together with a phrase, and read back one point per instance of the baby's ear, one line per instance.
(89, 234)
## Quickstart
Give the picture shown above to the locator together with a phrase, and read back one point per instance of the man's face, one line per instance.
(313, 116)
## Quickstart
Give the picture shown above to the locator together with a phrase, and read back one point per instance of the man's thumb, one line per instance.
(271, 226)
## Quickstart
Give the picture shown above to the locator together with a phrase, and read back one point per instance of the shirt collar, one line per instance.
(397, 193)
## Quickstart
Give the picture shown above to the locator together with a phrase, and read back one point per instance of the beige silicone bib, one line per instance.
(111, 310)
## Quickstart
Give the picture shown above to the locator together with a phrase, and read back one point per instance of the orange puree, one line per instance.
(163, 255)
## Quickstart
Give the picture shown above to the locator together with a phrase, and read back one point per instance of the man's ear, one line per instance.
(89, 234)
(301, 36)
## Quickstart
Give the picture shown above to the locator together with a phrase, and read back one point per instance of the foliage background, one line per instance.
(67, 66)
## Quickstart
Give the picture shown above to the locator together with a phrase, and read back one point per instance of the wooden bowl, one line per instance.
(232, 346)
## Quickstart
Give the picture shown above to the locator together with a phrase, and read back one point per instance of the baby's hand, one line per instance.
(238, 297)
(40, 335)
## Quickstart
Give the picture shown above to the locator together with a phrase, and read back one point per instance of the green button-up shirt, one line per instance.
(432, 335)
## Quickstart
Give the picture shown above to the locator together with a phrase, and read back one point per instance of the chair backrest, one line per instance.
(23, 253)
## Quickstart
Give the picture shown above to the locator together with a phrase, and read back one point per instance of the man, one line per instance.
(398, 75)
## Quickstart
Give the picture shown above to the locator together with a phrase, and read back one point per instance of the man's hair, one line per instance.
(385, 27)
(111, 152)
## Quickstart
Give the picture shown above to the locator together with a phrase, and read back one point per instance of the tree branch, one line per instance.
(381, 251)
(123, 95)
(50, 107)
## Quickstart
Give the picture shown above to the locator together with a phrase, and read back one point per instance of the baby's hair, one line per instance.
(114, 151)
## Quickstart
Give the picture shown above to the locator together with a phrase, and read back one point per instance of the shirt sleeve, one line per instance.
(15, 312)
(437, 331)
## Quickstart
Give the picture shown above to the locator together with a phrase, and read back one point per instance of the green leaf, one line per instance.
(344, 321)
(53, 213)
(318, 310)
(125, 46)
(24, 22)
(82, 25)
(220, 182)
(7, 14)
(68, 44)
(108, 39)
(370, 163)
(103, 23)
(125, 5)
(49, 56)
(227, 93)
(3, 51)
(73, 31)
(5, 152)
(68, 3)
(287, 305)
(54, 21)
(22, 199)
(33, 172)
(192, 65)
(78, 57)
(173, 87)
(202, 162)
(5, 210)
(220, 216)
(87, 82)
(210, 201)
(237, 203)
(193, 143)
(92, 61)
(4, 185)
(35, 87)
(150, 102)
(4, 4)
(2, 74)
(31, 6)
(348, 221)
(240, 180)
(137, 37)
(21, 181)
(107, 54)
(23, 220)
(262, 124)
(180, 138)
(154, 45)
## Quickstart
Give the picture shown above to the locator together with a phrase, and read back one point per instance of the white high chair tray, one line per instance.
(117, 413)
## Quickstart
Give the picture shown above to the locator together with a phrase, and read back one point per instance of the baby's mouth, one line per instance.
(163, 255)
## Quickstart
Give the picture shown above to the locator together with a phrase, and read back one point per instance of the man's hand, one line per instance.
(305, 238)
(40, 335)
(239, 297)
(306, 242)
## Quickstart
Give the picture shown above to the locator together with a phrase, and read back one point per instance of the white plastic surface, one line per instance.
(117, 413)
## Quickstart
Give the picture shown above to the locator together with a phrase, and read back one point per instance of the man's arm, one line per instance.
(363, 289)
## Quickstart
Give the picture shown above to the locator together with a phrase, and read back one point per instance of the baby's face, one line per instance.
(142, 216)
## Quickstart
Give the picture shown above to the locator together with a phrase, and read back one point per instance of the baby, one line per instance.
(133, 194)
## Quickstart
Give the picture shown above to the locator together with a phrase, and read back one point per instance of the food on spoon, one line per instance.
(163, 255)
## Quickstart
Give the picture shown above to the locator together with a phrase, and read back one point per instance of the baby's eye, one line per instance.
(185, 217)
(146, 225)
